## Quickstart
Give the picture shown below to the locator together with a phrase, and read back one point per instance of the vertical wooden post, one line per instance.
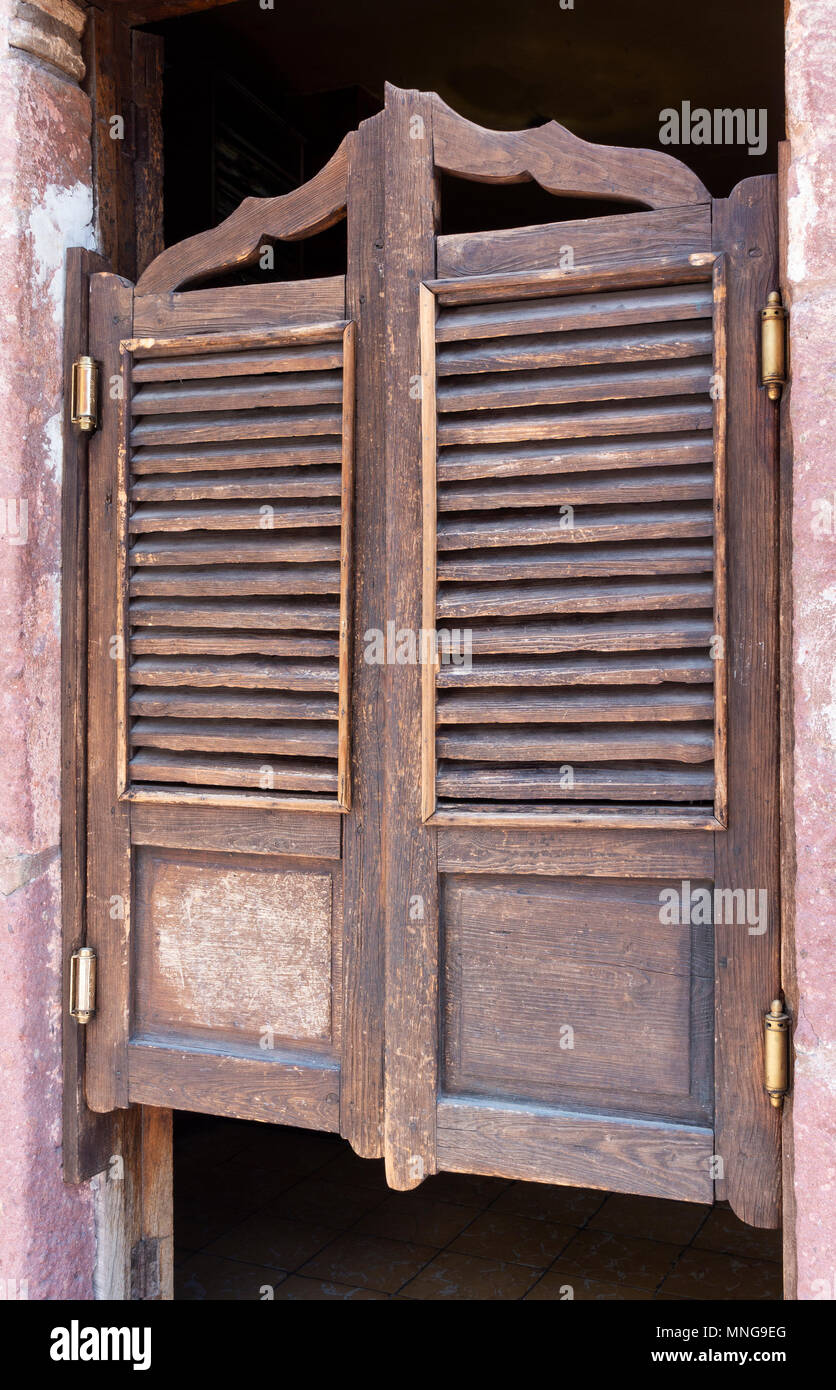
(133, 1211)
(108, 817)
(88, 1137)
(361, 1089)
(409, 846)
(746, 1124)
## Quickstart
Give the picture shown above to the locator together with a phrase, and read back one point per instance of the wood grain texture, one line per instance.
(361, 1093)
(721, 575)
(620, 273)
(621, 853)
(748, 1127)
(560, 162)
(230, 949)
(789, 974)
(346, 522)
(498, 530)
(561, 303)
(666, 232)
(108, 834)
(88, 1137)
(429, 542)
(240, 307)
(571, 991)
(147, 57)
(287, 1088)
(317, 204)
(242, 830)
(156, 1225)
(540, 1144)
(408, 851)
(201, 393)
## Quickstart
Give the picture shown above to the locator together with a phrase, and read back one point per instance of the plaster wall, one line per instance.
(46, 1227)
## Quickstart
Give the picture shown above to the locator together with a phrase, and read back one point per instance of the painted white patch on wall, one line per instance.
(53, 433)
(63, 218)
(801, 208)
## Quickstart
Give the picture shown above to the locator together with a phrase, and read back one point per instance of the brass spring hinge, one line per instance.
(83, 984)
(84, 399)
(774, 346)
(776, 1052)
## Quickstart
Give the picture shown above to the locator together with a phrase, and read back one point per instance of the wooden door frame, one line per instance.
(125, 70)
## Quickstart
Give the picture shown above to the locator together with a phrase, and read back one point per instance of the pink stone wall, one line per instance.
(811, 128)
(46, 1228)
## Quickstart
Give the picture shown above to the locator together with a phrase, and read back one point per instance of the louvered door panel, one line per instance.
(573, 490)
(238, 526)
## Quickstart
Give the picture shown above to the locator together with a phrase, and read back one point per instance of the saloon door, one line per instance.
(512, 909)
(575, 982)
(220, 618)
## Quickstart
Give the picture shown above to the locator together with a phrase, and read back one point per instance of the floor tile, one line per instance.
(296, 1212)
(411, 1216)
(467, 1277)
(205, 1216)
(299, 1290)
(711, 1274)
(325, 1203)
(517, 1240)
(561, 1285)
(371, 1262)
(268, 1239)
(724, 1231)
(300, 1150)
(346, 1167)
(257, 1185)
(543, 1202)
(640, 1264)
(210, 1139)
(650, 1218)
(470, 1189)
(206, 1277)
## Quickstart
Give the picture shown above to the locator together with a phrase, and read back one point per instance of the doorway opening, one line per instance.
(255, 102)
(265, 1212)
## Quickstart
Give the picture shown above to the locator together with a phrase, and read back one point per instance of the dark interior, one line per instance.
(256, 100)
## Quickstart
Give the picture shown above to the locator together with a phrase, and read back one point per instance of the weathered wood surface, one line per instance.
(233, 950)
(318, 204)
(88, 1137)
(108, 833)
(539, 1144)
(538, 1005)
(279, 1088)
(560, 162)
(748, 1128)
(551, 851)
(667, 232)
(361, 1094)
(408, 846)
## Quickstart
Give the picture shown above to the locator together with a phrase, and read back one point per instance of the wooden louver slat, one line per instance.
(572, 507)
(238, 495)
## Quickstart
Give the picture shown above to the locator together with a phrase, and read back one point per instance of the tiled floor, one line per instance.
(263, 1212)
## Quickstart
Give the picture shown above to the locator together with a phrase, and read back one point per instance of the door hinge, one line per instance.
(84, 399)
(774, 346)
(776, 1052)
(83, 984)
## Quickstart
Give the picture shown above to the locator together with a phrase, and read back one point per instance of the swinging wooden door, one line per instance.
(433, 654)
